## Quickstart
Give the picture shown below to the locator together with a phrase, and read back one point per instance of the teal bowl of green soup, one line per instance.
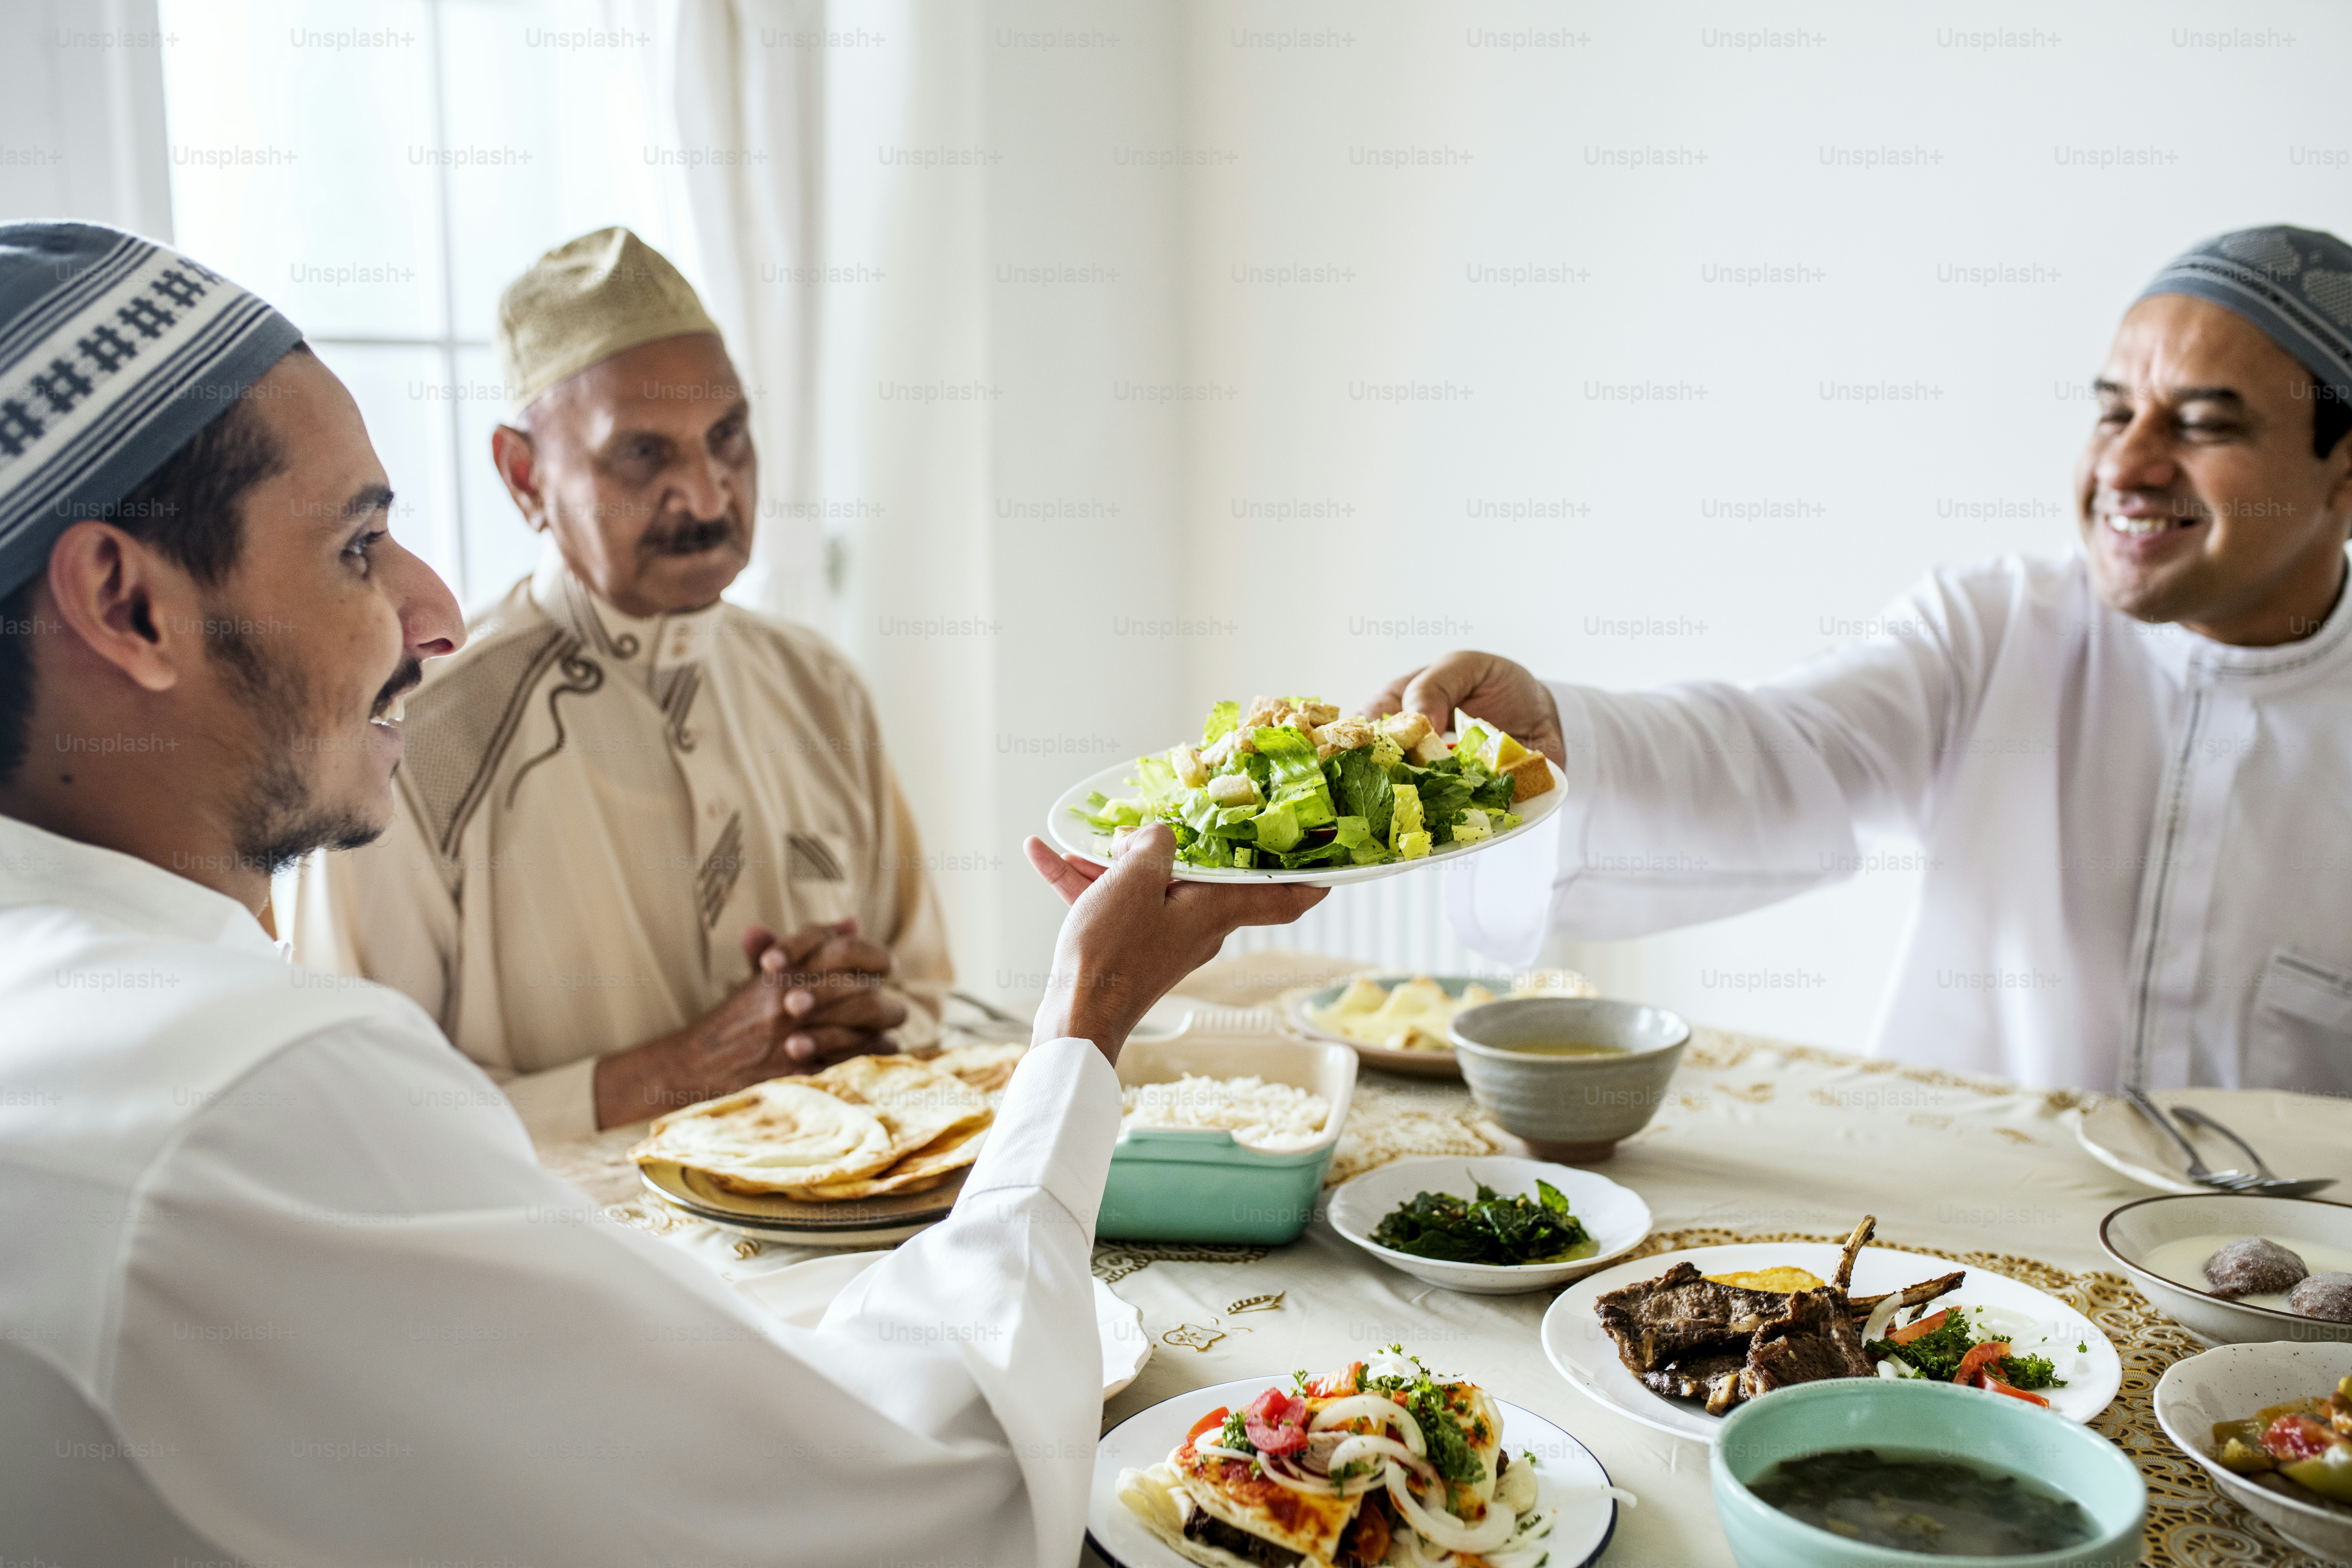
(1871, 1471)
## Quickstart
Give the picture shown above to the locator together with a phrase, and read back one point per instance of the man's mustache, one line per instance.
(404, 680)
(688, 536)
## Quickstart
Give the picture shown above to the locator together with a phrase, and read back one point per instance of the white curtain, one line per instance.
(81, 114)
(955, 433)
(748, 108)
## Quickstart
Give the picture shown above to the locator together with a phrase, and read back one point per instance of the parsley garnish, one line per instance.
(1937, 1353)
(1448, 1447)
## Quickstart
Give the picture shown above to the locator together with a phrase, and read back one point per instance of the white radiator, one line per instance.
(1396, 922)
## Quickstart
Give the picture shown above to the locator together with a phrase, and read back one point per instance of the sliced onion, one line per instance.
(1407, 1537)
(1371, 1408)
(1360, 1443)
(1297, 1481)
(1880, 1316)
(1272, 1467)
(1453, 1534)
(1217, 1451)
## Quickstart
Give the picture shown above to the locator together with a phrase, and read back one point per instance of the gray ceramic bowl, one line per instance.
(1570, 1109)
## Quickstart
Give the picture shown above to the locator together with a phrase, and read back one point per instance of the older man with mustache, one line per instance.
(2130, 770)
(623, 790)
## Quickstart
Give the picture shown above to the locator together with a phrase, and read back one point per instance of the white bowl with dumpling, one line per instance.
(1397, 1020)
(2185, 1253)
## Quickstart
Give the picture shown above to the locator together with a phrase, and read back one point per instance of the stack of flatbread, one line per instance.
(861, 1127)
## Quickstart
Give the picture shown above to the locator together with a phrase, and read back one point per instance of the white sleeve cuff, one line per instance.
(1054, 1131)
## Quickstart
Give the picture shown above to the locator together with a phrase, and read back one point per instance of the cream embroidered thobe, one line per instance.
(593, 808)
(287, 1284)
(2136, 839)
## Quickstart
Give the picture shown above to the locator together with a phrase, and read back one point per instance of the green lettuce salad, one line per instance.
(1287, 785)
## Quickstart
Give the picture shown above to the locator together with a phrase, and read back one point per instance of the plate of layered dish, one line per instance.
(1287, 789)
(1680, 1340)
(1398, 1022)
(1379, 1462)
(866, 1153)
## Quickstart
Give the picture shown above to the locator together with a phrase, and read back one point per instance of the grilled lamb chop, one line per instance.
(1861, 1307)
(1689, 1376)
(1680, 1313)
(1817, 1340)
(1687, 1336)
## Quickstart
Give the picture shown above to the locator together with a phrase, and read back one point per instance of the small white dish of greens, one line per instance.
(1491, 1225)
(1288, 790)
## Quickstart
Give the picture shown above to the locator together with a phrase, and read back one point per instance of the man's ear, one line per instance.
(2339, 475)
(516, 461)
(121, 599)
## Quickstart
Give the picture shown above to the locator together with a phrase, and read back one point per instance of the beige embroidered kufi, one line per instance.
(584, 301)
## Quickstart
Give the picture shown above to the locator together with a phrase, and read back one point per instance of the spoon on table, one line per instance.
(2274, 1186)
(2221, 1181)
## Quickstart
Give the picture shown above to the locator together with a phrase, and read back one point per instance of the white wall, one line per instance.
(1734, 511)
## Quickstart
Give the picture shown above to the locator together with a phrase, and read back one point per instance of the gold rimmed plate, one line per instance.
(773, 1216)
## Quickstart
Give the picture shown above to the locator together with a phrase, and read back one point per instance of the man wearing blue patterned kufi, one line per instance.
(2126, 773)
(285, 1282)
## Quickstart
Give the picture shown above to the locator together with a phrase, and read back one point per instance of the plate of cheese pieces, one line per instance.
(870, 1151)
(1289, 789)
(1398, 1022)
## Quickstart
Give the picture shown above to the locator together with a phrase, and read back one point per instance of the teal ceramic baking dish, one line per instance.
(1168, 1185)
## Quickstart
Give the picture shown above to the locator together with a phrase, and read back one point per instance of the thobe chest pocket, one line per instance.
(816, 858)
(817, 875)
(2300, 1035)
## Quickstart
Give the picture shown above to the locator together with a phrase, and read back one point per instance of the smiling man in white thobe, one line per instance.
(2129, 769)
(285, 1283)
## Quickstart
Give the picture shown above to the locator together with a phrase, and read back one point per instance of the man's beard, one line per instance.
(280, 818)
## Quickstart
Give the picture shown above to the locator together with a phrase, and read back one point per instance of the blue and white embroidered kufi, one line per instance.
(114, 350)
(2295, 284)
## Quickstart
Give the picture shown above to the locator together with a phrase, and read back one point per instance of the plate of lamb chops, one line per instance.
(1678, 1340)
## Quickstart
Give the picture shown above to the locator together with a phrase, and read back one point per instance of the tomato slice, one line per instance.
(1927, 1325)
(2014, 1393)
(1212, 1421)
(2292, 1437)
(1978, 1357)
(1332, 1385)
(1276, 1422)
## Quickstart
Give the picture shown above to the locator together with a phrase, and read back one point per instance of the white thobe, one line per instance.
(2134, 840)
(592, 809)
(285, 1282)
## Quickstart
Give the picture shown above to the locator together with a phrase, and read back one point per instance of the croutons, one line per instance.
(1233, 789)
(1261, 711)
(1190, 769)
(1405, 729)
(1410, 731)
(1218, 754)
(1341, 735)
(1317, 713)
(1530, 776)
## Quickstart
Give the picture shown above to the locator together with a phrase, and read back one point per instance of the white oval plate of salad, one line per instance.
(2034, 1321)
(1308, 810)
